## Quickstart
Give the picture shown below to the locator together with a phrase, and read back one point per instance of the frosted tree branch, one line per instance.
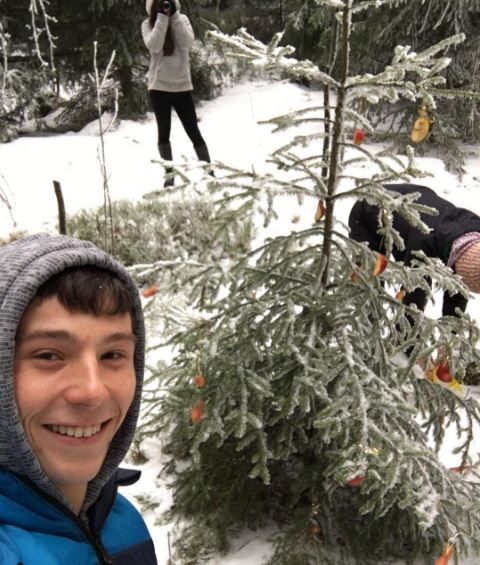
(100, 85)
(38, 8)
(4, 44)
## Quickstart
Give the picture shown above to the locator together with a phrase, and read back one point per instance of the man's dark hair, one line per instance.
(88, 289)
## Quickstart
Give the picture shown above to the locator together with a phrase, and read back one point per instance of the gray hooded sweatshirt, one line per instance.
(24, 266)
(169, 73)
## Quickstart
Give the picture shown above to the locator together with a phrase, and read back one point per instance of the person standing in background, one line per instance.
(168, 36)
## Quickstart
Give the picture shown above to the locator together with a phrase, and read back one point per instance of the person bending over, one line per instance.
(168, 36)
(71, 372)
(454, 238)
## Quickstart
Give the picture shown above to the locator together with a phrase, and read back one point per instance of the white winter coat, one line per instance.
(170, 73)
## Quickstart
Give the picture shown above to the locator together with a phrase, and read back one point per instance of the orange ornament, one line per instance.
(314, 530)
(381, 263)
(320, 211)
(358, 136)
(421, 127)
(400, 295)
(446, 555)
(199, 380)
(197, 411)
(150, 291)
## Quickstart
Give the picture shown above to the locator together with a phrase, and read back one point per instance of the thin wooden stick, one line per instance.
(62, 219)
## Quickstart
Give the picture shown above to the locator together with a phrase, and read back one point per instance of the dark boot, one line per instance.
(165, 150)
(203, 155)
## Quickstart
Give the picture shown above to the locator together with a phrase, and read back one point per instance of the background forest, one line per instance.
(47, 56)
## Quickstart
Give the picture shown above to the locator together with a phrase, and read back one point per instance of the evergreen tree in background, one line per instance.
(418, 24)
(22, 76)
(261, 19)
(115, 26)
(36, 70)
(291, 397)
(311, 28)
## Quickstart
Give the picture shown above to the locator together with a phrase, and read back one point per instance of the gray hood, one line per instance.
(24, 266)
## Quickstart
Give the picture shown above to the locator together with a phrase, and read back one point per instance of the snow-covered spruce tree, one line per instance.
(420, 24)
(286, 401)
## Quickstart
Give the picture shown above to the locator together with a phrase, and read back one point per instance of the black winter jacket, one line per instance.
(450, 223)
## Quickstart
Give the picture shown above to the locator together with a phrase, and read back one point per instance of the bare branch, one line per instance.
(107, 202)
(38, 8)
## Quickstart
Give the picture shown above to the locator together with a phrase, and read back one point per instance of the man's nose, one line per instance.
(86, 384)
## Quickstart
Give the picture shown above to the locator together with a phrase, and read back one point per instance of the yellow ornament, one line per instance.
(421, 127)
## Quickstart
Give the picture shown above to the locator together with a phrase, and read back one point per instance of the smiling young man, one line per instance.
(71, 371)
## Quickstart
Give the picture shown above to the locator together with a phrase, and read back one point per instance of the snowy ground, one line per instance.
(230, 126)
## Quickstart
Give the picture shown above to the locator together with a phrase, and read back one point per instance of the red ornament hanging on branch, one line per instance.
(197, 411)
(358, 136)
(440, 374)
(356, 481)
(443, 372)
(199, 380)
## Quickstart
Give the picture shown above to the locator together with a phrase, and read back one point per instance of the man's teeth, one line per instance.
(75, 431)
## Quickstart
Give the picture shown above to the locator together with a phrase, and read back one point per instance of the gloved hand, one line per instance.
(167, 7)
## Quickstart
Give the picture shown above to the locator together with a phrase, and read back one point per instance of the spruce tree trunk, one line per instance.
(335, 147)
(128, 102)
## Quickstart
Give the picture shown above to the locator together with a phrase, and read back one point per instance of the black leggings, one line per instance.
(182, 102)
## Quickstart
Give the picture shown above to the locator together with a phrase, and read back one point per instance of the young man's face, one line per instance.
(74, 382)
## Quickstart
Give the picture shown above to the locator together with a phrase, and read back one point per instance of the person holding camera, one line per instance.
(168, 36)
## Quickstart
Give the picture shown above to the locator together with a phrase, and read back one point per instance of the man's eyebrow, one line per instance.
(47, 334)
(121, 336)
(71, 338)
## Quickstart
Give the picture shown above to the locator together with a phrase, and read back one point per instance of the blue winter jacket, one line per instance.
(37, 522)
(35, 529)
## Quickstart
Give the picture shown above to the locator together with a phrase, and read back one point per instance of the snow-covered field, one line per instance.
(230, 126)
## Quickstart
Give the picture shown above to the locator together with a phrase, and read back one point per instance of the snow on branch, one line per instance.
(4, 199)
(107, 202)
(4, 45)
(397, 79)
(38, 7)
(271, 57)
